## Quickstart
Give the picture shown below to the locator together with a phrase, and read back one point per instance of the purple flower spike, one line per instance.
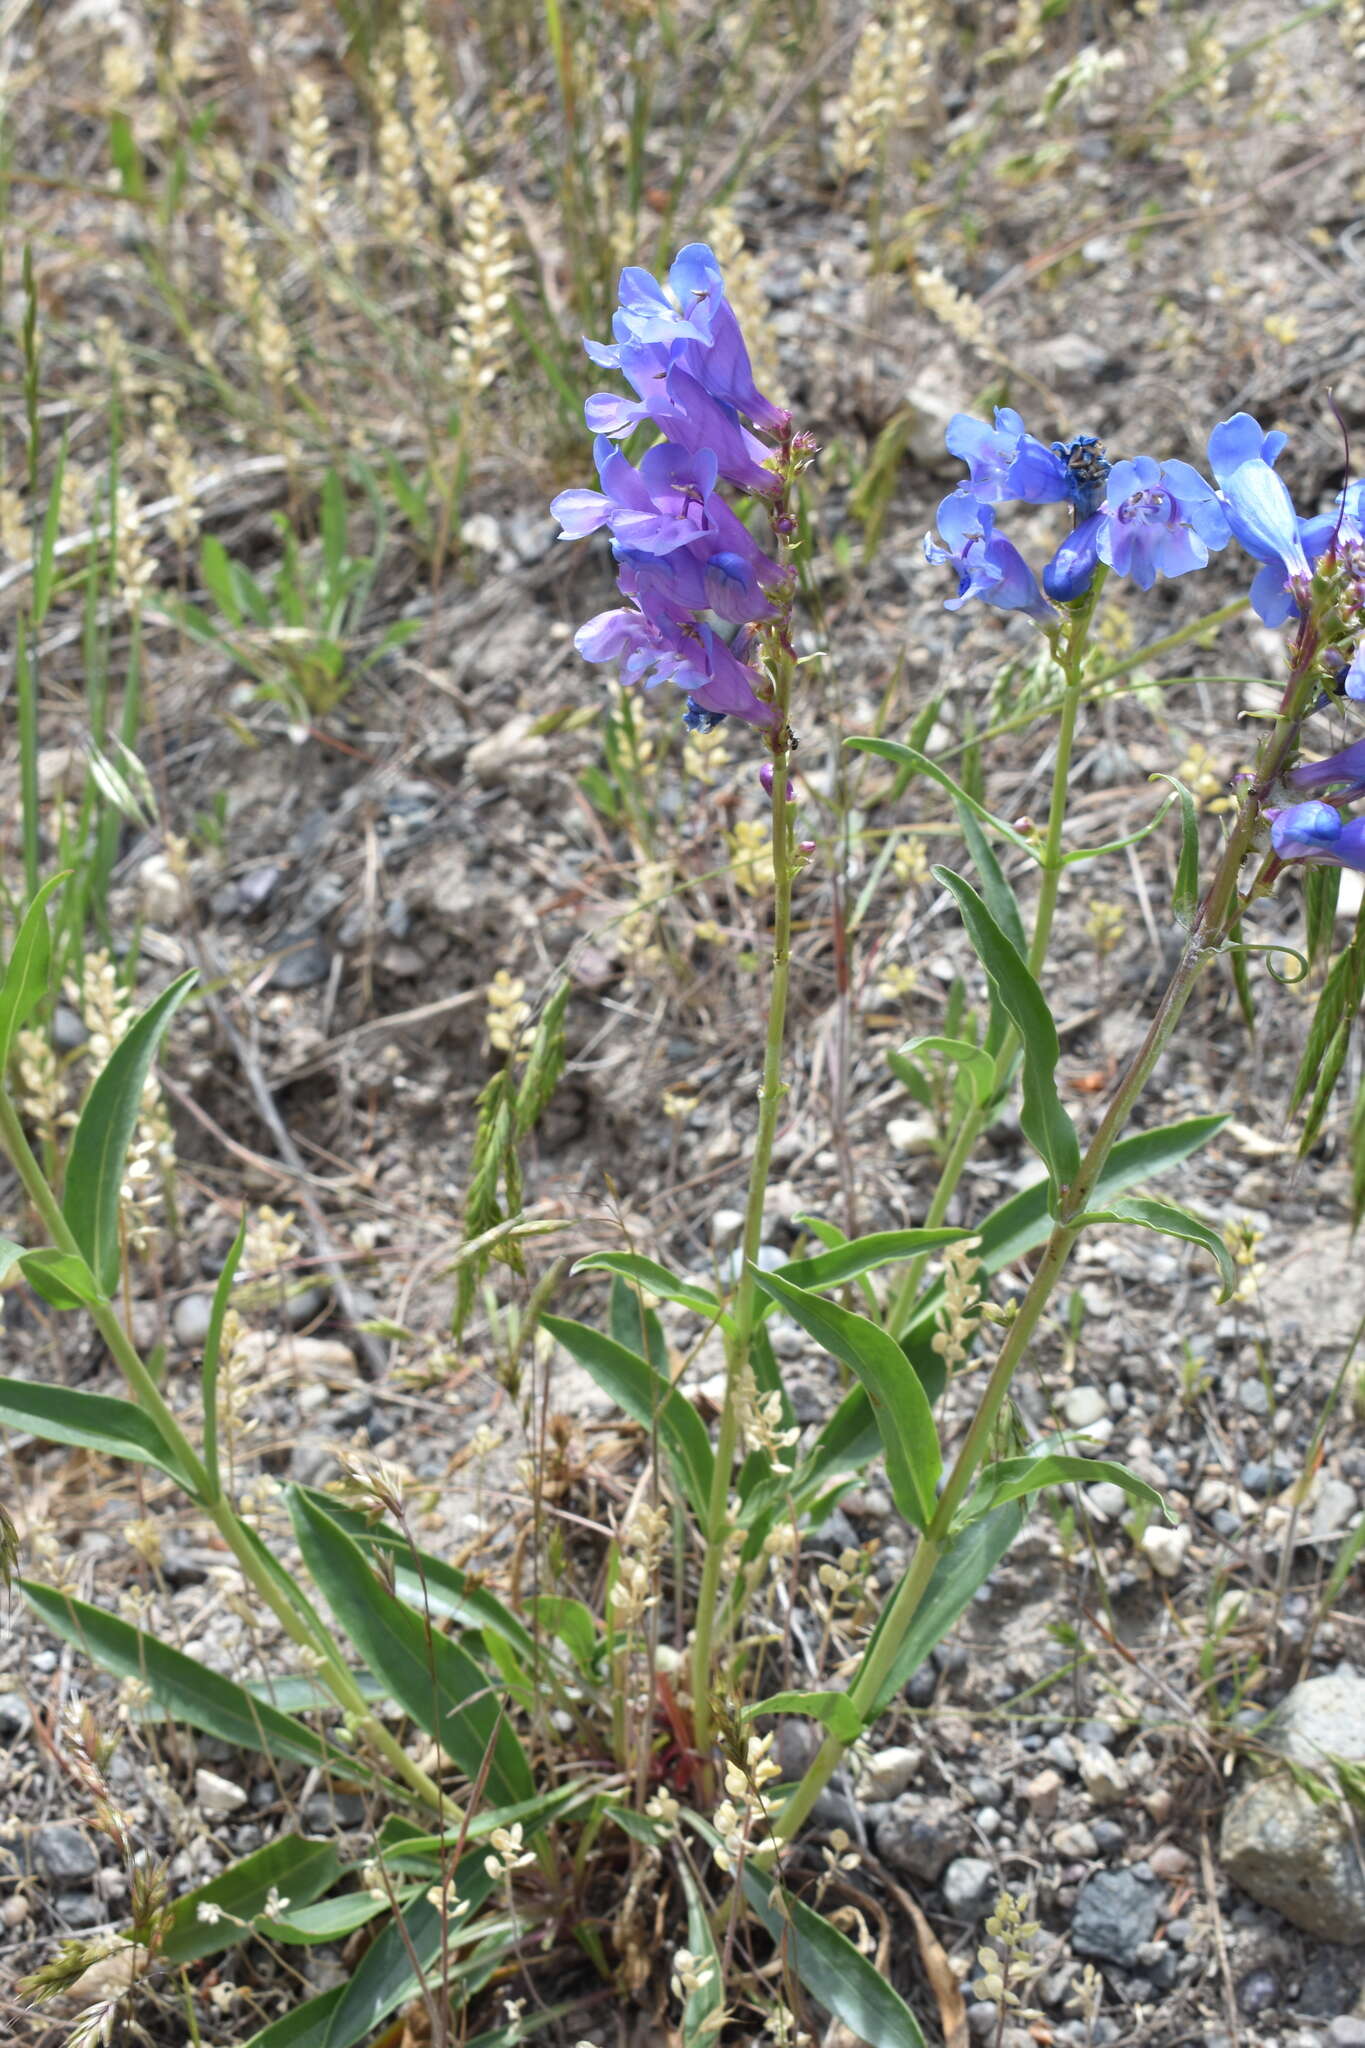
(1161, 519)
(1315, 832)
(988, 566)
(1354, 684)
(1344, 773)
(1261, 514)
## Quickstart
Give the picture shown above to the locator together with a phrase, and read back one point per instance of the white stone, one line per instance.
(912, 1134)
(1165, 1548)
(888, 1773)
(726, 1226)
(1103, 1776)
(165, 899)
(1107, 1501)
(481, 531)
(217, 1795)
(1083, 1405)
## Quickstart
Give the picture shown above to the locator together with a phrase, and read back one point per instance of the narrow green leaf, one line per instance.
(10, 1255)
(909, 757)
(1321, 886)
(1185, 894)
(421, 1578)
(1173, 1221)
(1044, 1121)
(835, 1973)
(213, 1344)
(295, 1869)
(972, 1061)
(92, 1422)
(899, 1402)
(1017, 1478)
(431, 1677)
(94, 1170)
(215, 568)
(965, 1563)
(328, 1920)
(647, 1399)
(996, 892)
(62, 1278)
(861, 1255)
(834, 1710)
(26, 972)
(386, 1977)
(702, 2007)
(655, 1279)
(186, 1690)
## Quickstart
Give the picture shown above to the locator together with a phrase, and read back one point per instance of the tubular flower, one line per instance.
(1261, 515)
(686, 563)
(1159, 519)
(1343, 773)
(988, 566)
(1316, 832)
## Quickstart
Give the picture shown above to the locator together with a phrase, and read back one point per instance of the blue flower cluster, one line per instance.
(686, 563)
(1145, 519)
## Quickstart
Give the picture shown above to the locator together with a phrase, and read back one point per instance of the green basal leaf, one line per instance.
(899, 1402)
(186, 1690)
(837, 1975)
(431, 1677)
(996, 892)
(861, 1255)
(291, 1867)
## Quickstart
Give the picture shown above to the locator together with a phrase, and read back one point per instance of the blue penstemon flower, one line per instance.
(687, 565)
(1141, 518)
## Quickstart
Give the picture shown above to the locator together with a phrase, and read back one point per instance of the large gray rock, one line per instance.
(1292, 1854)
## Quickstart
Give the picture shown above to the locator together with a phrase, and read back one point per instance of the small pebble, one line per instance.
(1167, 1861)
(1257, 1992)
(1110, 1838)
(1346, 2032)
(217, 1795)
(1252, 1396)
(970, 1886)
(1076, 1842)
(1165, 1548)
(889, 1773)
(1103, 1776)
(1041, 1795)
(190, 1319)
(1083, 1406)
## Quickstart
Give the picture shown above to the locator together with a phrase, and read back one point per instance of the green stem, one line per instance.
(742, 1315)
(1219, 911)
(234, 1532)
(1051, 863)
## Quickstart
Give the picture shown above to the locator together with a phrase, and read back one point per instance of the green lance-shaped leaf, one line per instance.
(655, 1279)
(965, 1563)
(183, 1689)
(292, 1868)
(647, 1399)
(1172, 1221)
(996, 892)
(432, 1678)
(91, 1422)
(386, 1977)
(1185, 894)
(1017, 1478)
(899, 1402)
(1044, 1121)
(702, 2005)
(973, 1063)
(62, 1278)
(861, 1255)
(94, 1168)
(213, 1345)
(26, 971)
(909, 757)
(835, 1973)
(833, 1710)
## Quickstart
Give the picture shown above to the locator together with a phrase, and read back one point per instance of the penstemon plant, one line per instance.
(500, 1826)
